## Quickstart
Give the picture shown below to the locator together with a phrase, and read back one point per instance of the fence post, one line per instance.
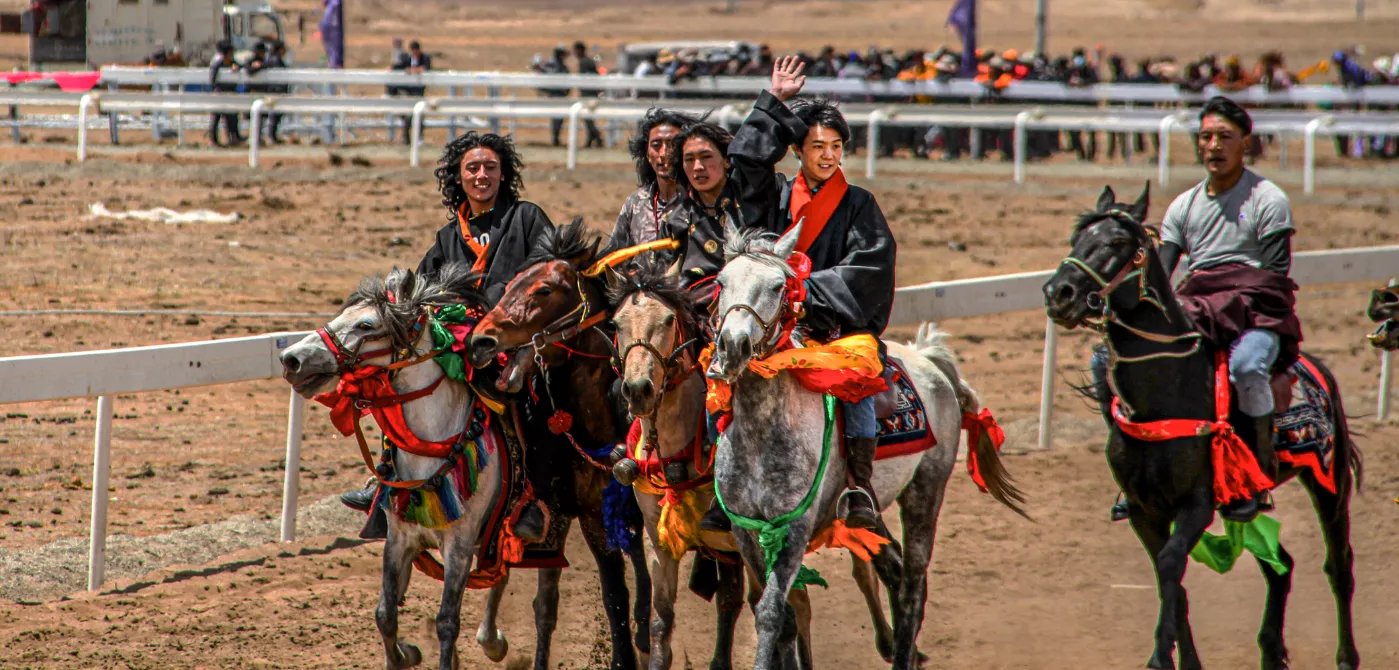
(1309, 151)
(1019, 141)
(101, 472)
(1163, 156)
(83, 104)
(255, 132)
(573, 112)
(1386, 372)
(872, 143)
(1051, 353)
(417, 129)
(291, 481)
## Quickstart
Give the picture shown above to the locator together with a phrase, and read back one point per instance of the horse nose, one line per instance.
(1062, 296)
(736, 345)
(638, 392)
(290, 363)
(482, 349)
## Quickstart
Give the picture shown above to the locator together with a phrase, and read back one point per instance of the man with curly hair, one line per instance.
(491, 230)
(489, 227)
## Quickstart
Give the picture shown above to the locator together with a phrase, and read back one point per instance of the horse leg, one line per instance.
(1270, 640)
(728, 600)
(775, 617)
(456, 557)
(919, 506)
(616, 601)
(641, 611)
(865, 578)
(491, 638)
(1169, 552)
(546, 614)
(664, 585)
(800, 602)
(1334, 512)
(398, 568)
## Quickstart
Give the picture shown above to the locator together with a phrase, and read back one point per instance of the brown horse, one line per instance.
(544, 331)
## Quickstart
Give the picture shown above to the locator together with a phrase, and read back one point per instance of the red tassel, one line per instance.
(560, 422)
(1236, 472)
(723, 422)
(975, 424)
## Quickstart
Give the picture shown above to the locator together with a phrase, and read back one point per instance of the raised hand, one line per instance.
(787, 78)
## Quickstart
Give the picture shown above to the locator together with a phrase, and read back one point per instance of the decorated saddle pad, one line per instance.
(906, 431)
(1305, 436)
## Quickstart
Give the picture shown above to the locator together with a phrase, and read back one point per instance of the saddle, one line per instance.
(886, 402)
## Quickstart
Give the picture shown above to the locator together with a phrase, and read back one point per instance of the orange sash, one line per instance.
(463, 221)
(814, 211)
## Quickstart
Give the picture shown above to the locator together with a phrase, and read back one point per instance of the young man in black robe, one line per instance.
(490, 229)
(852, 251)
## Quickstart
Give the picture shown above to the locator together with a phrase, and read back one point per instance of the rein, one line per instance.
(1101, 301)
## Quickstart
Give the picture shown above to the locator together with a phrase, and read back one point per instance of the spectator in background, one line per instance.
(854, 68)
(221, 60)
(1272, 73)
(555, 65)
(1117, 74)
(396, 57)
(588, 66)
(415, 61)
(825, 65)
(1233, 77)
(1146, 74)
(275, 60)
(761, 66)
(1082, 73)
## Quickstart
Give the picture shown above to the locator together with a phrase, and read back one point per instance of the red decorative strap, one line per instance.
(1236, 472)
(976, 425)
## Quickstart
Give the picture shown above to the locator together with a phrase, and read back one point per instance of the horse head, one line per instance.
(1384, 310)
(656, 323)
(545, 299)
(382, 321)
(1108, 244)
(752, 298)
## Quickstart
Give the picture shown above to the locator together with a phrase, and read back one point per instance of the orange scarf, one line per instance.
(479, 265)
(814, 211)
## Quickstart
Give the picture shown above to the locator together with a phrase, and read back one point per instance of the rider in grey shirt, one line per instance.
(1244, 224)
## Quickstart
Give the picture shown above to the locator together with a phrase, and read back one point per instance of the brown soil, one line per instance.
(1068, 591)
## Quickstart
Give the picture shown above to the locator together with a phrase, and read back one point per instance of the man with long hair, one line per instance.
(645, 215)
(491, 230)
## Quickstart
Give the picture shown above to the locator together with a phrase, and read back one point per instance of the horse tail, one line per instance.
(1349, 460)
(931, 343)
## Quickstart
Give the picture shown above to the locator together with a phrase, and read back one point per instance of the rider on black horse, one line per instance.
(851, 287)
(480, 180)
(1236, 227)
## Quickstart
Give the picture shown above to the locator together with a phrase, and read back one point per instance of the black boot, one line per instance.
(358, 499)
(376, 527)
(862, 511)
(1120, 511)
(1245, 511)
(530, 526)
(716, 520)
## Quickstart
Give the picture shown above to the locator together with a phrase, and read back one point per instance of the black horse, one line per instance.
(1164, 370)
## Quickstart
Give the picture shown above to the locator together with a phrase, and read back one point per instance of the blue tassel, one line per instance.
(621, 516)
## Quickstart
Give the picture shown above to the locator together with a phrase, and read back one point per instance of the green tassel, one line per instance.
(809, 577)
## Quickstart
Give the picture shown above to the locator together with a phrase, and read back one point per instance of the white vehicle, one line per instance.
(110, 32)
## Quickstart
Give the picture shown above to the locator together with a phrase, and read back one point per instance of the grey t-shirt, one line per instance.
(1229, 227)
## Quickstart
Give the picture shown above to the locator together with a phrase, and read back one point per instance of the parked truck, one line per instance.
(64, 34)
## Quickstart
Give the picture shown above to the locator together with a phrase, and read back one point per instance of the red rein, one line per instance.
(1236, 472)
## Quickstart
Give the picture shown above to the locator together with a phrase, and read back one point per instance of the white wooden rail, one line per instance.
(110, 372)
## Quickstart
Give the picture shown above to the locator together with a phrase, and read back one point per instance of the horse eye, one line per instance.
(776, 288)
(365, 325)
(542, 291)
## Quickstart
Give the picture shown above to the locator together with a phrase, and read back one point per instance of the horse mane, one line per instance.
(755, 244)
(454, 284)
(648, 274)
(571, 242)
(1087, 219)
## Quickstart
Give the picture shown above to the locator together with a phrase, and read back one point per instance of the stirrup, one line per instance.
(844, 498)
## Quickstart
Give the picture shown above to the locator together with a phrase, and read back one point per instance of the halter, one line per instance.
(778, 332)
(1102, 297)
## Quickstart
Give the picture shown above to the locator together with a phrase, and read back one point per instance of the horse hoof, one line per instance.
(1161, 662)
(922, 659)
(496, 648)
(1344, 666)
(408, 655)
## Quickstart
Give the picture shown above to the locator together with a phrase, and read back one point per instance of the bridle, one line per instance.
(777, 333)
(349, 361)
(675, 372)
(1101, 302)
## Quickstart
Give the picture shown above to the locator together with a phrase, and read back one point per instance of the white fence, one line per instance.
(748, 86)
(1305, 124)
(105, 373)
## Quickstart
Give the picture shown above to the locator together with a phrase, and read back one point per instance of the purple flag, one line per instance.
(333, 32)
(963, 19)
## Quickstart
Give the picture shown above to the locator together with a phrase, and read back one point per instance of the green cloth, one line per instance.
(442, 339)
(772, 535)
(1259, 537)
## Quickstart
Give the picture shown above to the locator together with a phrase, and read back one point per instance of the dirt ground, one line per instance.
(1068, 591)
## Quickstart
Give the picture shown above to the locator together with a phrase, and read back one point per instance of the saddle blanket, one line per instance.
(1304, 433)
(906, 431)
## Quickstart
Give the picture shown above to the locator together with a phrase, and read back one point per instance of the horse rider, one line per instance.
(851, 287)
(1236, 228)
(649, 213)
(491, 229)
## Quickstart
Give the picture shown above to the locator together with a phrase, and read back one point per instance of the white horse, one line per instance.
(768, 458)
(377, 328)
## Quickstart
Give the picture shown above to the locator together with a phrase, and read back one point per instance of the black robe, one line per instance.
(514, 227)
(851, 289)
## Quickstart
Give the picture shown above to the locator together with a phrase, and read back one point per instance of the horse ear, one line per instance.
(788, 242)
(730, 230)
(673, 272)
(1107, 199)
(1143, 204)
